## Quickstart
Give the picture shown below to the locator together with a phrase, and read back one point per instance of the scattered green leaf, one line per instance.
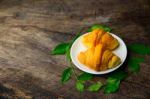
(104, 27)
(112, 85)
(113, 81)
(110, 19)
(68, 55)
(66, 75)
(134, 63)
(139, 48)
(85, 76)
(95, 87)
(60, 49)
(80, 86)
(120, 75)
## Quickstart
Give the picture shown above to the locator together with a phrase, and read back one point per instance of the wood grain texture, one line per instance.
(30, 29)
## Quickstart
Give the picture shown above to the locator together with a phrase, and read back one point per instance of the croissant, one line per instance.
(100, 36)
(109, 60)
(97, 58)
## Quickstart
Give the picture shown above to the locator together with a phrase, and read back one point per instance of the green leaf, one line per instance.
(95, 87)
(68, 55)
(120, 75)
(60, 49)
(80, 86)
(96, 26)
(111, 86)
(106, 28)
(113, 81)
(134, 63)
(63, 48)
(134, 67)
(139, 48)
(66, 75)
(85, 76)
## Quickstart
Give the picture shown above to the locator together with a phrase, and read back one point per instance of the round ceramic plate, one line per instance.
(77, 47)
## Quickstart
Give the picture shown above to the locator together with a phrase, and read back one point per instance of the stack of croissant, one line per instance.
(99, 55)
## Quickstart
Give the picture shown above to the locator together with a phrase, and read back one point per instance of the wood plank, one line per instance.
(30, 29)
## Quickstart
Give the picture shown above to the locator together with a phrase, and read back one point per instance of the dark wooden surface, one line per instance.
(29, 29)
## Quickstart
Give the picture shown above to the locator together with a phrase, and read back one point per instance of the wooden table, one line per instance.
(29, 29)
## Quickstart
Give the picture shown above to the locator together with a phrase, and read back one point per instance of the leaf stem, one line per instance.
(73, 69)
(74, 72)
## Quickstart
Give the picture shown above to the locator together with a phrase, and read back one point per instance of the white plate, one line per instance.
(77, 47)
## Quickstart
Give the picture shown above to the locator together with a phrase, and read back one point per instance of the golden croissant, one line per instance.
(97, 58)
(100, 36)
